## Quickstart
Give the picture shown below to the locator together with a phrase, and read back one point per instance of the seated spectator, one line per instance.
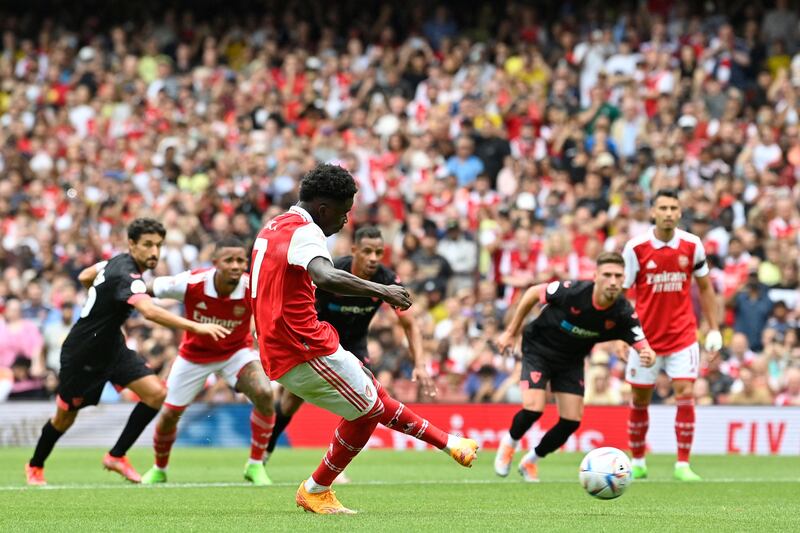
(750, 391)
(702, 392)
(465, 165)
(598, 387)
(481, 385)
(790, 392)
(719, 383)
(19, 337)
(778, 325)
(662, 391)
(26, 386)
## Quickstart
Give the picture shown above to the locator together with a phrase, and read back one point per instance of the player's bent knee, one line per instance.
(171, 415)
(640, 396)
(63, 420)
(683, 388)
(155, 398)
(262, 400)
(290, 403)
(569, 424)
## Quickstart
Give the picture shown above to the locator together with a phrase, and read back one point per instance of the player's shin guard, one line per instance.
(142, 415)
(47, 440)
(684, 427)
(281, 421)
(399, 417)
(523, 421)
(556, 436)
(261, 427)
(162, 445)
(349, 438)
(638, 423)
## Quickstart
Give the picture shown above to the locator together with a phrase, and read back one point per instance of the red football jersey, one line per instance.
(662, 273)
(202, 304)
(282, 294)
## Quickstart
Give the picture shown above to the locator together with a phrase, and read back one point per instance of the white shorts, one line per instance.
(336, 382)
(186, 379)
(681, 365)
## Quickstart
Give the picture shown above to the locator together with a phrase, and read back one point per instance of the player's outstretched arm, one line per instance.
(708, 304)
(152, 312)
(529, 298)
(414, 337)
(331, 279)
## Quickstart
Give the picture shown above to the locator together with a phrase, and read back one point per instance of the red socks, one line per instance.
(260, 433)
(349, 438)
(162, 443)
(684, 427)
(400, 418)
(638, 422)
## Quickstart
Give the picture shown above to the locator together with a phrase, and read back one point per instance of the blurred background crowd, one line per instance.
(495, 144)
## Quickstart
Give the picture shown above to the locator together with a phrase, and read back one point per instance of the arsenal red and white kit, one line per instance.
(282, 293)
(662, 273)
(202, 303)
(297, 349)
(200, 356)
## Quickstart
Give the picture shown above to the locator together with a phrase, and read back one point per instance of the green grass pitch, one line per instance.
(394, 491)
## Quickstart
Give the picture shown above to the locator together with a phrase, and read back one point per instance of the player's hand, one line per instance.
(397, 296)
(505, 342)
(647, 356)
(215, 331)
(420, 374)
(713, 343)
(621, 349)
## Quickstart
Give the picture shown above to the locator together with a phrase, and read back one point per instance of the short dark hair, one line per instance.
(327, 181)
(668, 193)
(612, 258)
(367, 232)
(229, 242)
(140, 226)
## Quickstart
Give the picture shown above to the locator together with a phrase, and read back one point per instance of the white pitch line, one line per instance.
(364, 483)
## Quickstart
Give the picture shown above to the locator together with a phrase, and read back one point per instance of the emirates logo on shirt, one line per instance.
(224, 322)
(666, 281)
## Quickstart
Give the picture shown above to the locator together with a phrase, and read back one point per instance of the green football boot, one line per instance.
(639, 472)
(685, 473)
(153, 476)
(256, 474)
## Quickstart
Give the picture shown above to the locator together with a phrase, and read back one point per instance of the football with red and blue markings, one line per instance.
(605, 473)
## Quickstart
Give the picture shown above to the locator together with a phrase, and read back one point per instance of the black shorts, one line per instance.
(537, 371)
(80, 384)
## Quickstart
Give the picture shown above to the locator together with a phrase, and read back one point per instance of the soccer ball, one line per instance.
(605, 473)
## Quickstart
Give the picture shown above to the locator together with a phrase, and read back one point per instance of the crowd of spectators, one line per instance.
(495, 147)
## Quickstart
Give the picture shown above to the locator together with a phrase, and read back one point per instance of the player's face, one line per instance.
(332, 215)
(608, 280)
(231, 263)
(147, 250)
(666, 212)
(367, 255)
